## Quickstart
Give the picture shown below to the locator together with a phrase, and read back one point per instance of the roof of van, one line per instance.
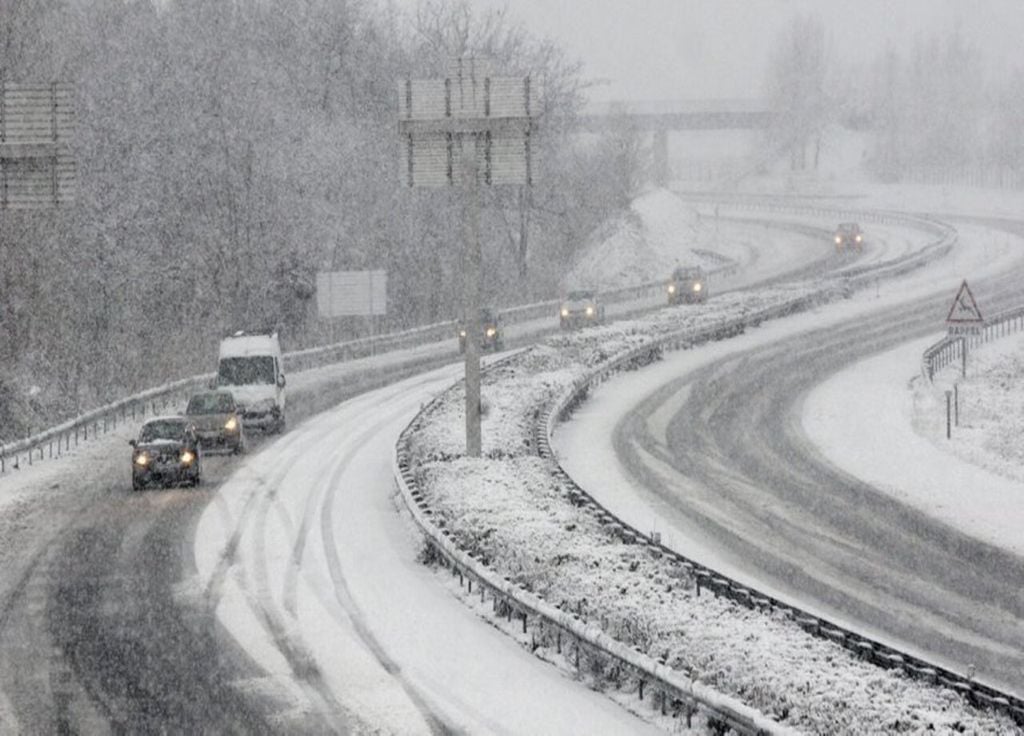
(238, 346)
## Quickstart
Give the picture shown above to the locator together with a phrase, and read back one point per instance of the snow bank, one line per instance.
(659, 232)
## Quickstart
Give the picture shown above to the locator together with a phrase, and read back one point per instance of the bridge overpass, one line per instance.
(658, 117)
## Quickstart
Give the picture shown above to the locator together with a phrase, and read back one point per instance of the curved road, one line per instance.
(734, 467)
(103, 625)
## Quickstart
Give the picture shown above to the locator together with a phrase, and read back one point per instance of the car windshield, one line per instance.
(848, 227)
(246, 370)
(162, 429)
(219, 403)
(579, 296)
(686, 273)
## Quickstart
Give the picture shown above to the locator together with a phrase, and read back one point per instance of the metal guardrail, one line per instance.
(668, 688)
(950, 349)
(55, 441)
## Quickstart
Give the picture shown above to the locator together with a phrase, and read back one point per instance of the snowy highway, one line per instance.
(711, 453)
(301, 606)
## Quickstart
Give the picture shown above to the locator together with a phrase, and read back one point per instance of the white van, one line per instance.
(250, 366)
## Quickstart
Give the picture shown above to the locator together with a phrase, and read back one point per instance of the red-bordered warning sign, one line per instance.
(964, 315)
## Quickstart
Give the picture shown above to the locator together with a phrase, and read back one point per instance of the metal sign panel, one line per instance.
(964, 310)
(438, 117)
(351, 293)
(964, 318)
(37, 168)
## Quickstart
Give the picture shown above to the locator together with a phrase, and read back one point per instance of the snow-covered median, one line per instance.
(511, 511)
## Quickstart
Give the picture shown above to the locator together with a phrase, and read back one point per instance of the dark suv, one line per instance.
(849, 235)
(689, 285)
(490, 331)
(166, 453)
(218, 421)
(580, 309)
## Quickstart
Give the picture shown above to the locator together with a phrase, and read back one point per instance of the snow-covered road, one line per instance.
(310, 566)
(587, 445)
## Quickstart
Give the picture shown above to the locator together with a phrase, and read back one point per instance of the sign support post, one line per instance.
(964, 321)
(458, 130)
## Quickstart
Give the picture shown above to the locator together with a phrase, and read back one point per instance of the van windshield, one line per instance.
(248, 370)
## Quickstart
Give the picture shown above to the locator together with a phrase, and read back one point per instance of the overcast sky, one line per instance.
(669, 49)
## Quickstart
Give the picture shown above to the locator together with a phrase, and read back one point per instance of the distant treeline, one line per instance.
(227, 151)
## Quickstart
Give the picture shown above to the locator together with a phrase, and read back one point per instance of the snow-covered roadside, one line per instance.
(991, 414)
(901, 446)
(512, 513)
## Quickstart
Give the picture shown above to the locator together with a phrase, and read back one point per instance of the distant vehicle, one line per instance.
(580, 309)
(849, 235)
(166, 453)
(217, 421)
(252, 369)
(490, 331)
(689, 284)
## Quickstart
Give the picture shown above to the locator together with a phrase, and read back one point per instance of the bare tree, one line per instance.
(798, 92)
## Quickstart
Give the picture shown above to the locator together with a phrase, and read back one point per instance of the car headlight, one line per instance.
(696, 287)
(565, 312)
(590, 311)
(187, 456)
(858, 238)
(671, 288)
(462, 333)
(491, 332)
(838, 240)
(142, 460)
(231, 424)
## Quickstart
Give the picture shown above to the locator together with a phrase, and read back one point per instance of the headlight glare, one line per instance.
(671, 288)
(696, 287)
(491, 332)
(231, 424)
(565, 312)
(142, 459)
(187, 457)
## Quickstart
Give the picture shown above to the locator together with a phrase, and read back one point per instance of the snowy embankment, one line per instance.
(514, 513)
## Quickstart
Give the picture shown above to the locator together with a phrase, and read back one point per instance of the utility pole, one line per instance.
(468, 128)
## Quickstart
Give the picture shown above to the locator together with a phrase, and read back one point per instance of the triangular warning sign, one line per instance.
(964, 308)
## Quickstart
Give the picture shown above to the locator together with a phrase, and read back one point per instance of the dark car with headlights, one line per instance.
(490, 331)
(166, 453)
(689, 285)
(217, 421)
(848, 235)
(579, 309)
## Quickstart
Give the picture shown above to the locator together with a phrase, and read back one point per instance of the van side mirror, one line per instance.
(280, 380)
(132, 443)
